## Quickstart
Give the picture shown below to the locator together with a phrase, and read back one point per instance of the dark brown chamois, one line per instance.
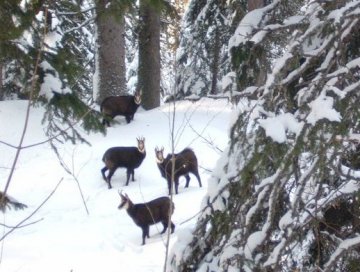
(146, 214)
(129, 157)
(9, 202)
(125, 105)
(185, 163)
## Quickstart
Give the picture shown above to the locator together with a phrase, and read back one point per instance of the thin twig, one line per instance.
(70, 172)
(21, 226)
(192, 217)
(172, 135)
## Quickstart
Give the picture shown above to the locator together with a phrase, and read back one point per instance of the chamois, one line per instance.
(185, 163)
(150, 213)
(129, 157)
(125, 105)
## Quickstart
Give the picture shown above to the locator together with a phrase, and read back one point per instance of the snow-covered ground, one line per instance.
(64, 237)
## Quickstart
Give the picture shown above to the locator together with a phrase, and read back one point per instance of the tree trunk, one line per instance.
(149, 56)
(254, 4)
(215, 62)
(110, 53)
(1, 83)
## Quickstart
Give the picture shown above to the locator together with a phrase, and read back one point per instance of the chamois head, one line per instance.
(159, 153)
(141, 144)
(137, 97)
(125, 201)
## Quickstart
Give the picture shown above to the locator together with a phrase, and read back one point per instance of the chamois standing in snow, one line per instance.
(185, 163)
(125, 105)
(146, 214)
(129, 157)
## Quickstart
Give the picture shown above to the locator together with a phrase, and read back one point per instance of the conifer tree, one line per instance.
(285, 195)
(111, 69)
(16, 55)
(157, 19)
(149, 53)
(202, 56)
(42, 37)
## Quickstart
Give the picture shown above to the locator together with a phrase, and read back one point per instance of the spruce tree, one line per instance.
(16, 54)
(285, 194)
(110, 64)
(202, 56)
(43, 38)
(149, 53)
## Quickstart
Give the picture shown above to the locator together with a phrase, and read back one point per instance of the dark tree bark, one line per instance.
(1, 82)
(215, 63)
(111, 52)
(149, 55)
(254, 4)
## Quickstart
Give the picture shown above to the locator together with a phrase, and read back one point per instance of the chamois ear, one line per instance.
(140, 138)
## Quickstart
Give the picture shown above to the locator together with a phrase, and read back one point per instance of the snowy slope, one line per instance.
(68, 239)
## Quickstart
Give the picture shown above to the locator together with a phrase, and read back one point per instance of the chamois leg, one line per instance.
(106, 120)
(103, 173)
(128, 118)
(169, 186)
(165, 224)
(111, 173)
(128, 173)
(176, 185)
(103, 122)
(172, 227)
(145, 233)
(187, 180)
(132, 174)
(196, 173)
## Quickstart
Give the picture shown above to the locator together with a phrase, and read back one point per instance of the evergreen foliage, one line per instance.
(203, 59)
(69, 57)
(16, 54)
(288, 203)
(57, 30)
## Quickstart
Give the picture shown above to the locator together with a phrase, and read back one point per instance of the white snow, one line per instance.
(68, 239)
(322, 108)
(251, 22)
(51, 83)
(277, 127)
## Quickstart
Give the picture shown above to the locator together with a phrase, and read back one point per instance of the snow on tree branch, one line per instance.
(284, 195)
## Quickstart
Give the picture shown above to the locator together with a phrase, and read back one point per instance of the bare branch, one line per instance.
(70, 172)
(86, 22)
(91, 8)
(21, 226)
